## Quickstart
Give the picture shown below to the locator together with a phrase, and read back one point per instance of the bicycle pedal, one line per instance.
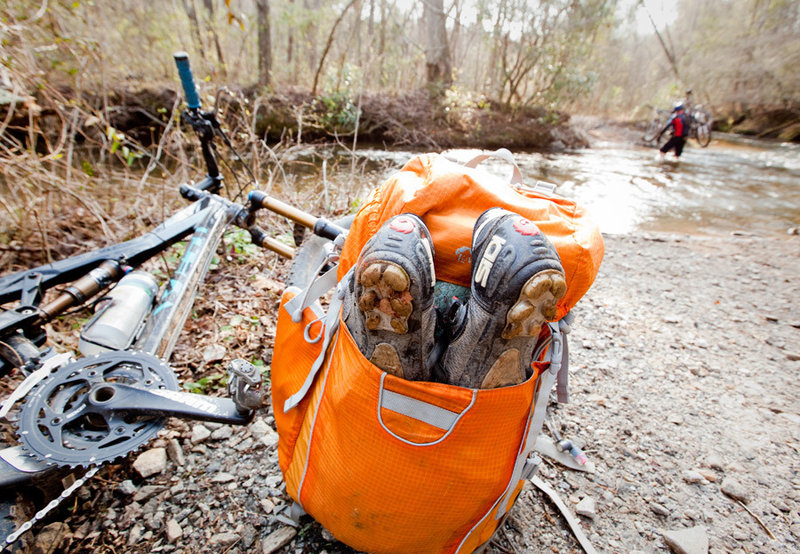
(244, 385)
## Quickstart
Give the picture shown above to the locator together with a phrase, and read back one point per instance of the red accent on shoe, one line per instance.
(402, 225)
(525, 227)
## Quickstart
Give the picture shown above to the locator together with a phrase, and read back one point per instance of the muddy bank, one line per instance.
(408, 120)
(774, 122)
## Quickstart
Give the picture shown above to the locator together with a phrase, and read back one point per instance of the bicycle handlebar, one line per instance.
(320, 226)
(187, 80)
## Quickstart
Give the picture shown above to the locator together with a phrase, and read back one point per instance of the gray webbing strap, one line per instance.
(562, 386)
(537, 416)
(417, 409)
(331, 324)
(503, 154)
(311, 293)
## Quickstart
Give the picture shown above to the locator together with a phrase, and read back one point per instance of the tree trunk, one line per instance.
(212, 29)
(328, 46)
(264, 43)
(290, 49)
(437, 52)
(191, 13)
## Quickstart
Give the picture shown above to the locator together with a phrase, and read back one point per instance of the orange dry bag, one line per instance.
(396, 466)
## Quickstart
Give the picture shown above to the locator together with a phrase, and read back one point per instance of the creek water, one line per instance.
(734, 185)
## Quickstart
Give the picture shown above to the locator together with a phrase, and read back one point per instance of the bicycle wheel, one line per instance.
(653, 128)
(703, 134)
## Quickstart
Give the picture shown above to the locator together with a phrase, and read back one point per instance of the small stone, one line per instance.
(213, 353)
(245, 444)
(267, 505)
(658, 509)
(146, 492)
(224, 539)
(740, 535)
(277, 539)
(222, 433)
(693, 477)
(259, 428)
(49, 539)
(793, 356)
(735, 490)
(223, 477)
(708, 475)
(675, 419)
(126, 487)
(175, 452)
(199, 433)
(781, 505)
(587, 507)
(174, 531)
(715, 462)
(135, 534)
(151, 462)
(270, 439)
(687, 541)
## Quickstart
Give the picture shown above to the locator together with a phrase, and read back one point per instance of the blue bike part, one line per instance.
(187, 79)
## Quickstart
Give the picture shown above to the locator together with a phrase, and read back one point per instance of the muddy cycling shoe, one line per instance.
(389, 307)
(517, 280)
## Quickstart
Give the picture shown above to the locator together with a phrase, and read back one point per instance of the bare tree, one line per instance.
(328, 45)
(438, 65)
(264, 43)
(212, 30)
(191, 13)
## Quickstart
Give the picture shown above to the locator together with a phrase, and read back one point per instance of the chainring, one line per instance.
(58, 426)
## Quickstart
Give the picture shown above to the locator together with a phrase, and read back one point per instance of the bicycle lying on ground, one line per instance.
(98, 407)
(699, 125)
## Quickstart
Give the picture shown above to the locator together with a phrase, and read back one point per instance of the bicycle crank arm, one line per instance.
(110, 398)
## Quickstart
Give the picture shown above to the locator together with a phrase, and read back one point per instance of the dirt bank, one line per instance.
(410, 120)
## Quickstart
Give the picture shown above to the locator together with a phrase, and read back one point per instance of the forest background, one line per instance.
(598, 57)
(90, 106)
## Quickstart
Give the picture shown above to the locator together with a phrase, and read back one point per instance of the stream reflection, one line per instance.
(736, 184)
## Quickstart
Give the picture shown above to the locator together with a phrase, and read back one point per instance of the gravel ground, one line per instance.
(683, 357)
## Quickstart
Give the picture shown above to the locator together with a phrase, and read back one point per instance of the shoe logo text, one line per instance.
(489, 256)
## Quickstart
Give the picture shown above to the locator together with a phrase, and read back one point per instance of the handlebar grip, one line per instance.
(187, 79)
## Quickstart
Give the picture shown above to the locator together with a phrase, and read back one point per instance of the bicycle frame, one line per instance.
(205, 220)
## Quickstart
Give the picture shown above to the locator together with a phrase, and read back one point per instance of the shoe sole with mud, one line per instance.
(385, 300)
(537, 303)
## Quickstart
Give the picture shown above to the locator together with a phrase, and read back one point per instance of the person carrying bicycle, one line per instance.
(679, 122)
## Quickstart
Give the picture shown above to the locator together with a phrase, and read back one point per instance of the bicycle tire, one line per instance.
(703, 134)
(653, 128)
(310, 255)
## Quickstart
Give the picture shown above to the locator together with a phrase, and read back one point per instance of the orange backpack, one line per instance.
(389, 465)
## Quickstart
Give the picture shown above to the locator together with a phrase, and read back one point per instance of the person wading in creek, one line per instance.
(679, 122)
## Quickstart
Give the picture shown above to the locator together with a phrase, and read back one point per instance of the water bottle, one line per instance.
(120, 315)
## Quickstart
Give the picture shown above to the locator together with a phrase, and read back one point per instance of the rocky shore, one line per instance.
(683, 355)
